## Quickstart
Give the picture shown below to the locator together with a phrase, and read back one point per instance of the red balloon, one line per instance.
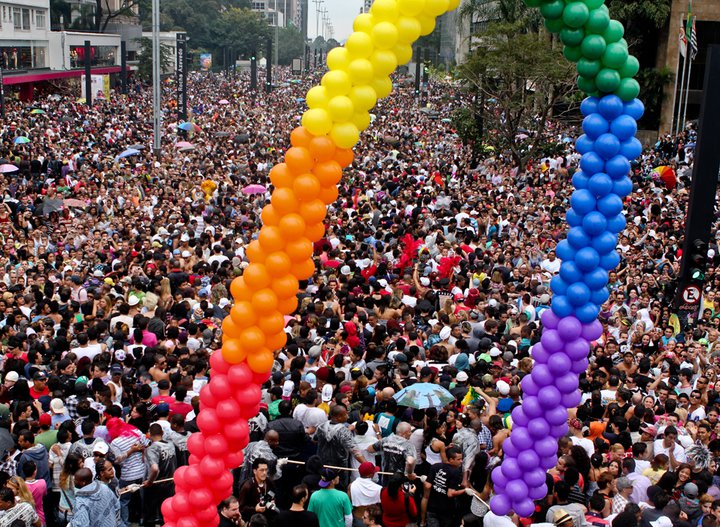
(221, 387)
(188, 521)
(206, 514)
(201, 498)
(168, 512)
(208, 421)
(249, 411)
(211, 467)
(239, 375)
(194, 476)
(193, 459)
(216, 445)
(181, 505)
(196, 445)
(218, 364)
(260, 379)
(249, 395)
(228, 410)
(223, 483)
(233, 459)
(207, 398)
(237, 430)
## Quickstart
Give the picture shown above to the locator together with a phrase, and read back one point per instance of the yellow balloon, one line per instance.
(382, 86)
(436, 7)
(341, 108)
(427, 24)
(361, 120)
(384, 62)
(345, 135)
(408, 30)
(385, 10)
(453, 4)
(411, 7)
(360, 44)
(361, 71)
(363, 97)
(317, 121)
(336, 82)
(317, 97)
(338, 59)
(403, 53)
(363, 22)
(385, 35)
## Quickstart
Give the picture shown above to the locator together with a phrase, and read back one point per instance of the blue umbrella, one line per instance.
(21, 140)
(185, 126)
(127, 153)
(422, 395)
(299, 100)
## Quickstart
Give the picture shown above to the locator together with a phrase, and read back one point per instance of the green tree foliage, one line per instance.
(145, 56)
(241, 30)
(290, 45)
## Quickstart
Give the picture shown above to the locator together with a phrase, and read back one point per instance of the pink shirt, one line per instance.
(38, 489)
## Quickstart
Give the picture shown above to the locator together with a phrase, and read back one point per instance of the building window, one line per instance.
(40, 19)
(21, 18)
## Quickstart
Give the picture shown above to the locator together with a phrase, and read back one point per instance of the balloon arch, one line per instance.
(307, 182)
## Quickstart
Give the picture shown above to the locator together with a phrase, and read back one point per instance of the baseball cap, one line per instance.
(662, 521)
(503, 388)
(327, 476)
(367, 469)
(40, 376)
(101, 447)
(12, 376)
(57, 406)
(287, 390)
(116, 370)
(495, 352)
(462, 376)
(133, 301)
(223, 303)
(690, 490)
(45, 420)
(624, 483)
(310, 378)
(327, 393)
(649, 429)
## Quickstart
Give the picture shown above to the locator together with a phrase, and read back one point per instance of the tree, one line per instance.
(241, 30)
(145, 56)
(104, 14)
(290, 45)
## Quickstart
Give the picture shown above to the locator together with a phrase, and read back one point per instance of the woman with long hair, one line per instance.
(398, 502)
(72, 464)
(21, 490)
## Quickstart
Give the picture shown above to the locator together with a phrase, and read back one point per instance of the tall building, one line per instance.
(280, 12)
(367, 5)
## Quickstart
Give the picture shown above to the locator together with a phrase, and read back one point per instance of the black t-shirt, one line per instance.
(297, 519)
(443, 477)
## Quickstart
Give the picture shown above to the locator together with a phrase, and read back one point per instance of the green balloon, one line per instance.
(615, 56)
(628, 90)
(533, 3)
(588, 68)
(554, 25)
(630, 68)
(597, 22)
(572, 37)
(608, 80)
(553, 10)
(586, 84)
(614, 32)
(575, 14)
(623, 43)
(593, 46)
(572, 53)
(593, 4)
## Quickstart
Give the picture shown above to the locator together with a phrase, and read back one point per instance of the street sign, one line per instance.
(691, 295)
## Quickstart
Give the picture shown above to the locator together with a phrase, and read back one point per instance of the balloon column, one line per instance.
(606, 70)
(359, 75)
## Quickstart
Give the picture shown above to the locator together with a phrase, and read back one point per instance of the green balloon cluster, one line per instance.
(594, 41)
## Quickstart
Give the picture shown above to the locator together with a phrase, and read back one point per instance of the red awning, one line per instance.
(22, 78)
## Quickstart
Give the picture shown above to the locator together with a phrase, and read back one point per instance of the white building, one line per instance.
(24, 26)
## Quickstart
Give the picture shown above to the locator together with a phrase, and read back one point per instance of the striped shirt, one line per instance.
(133, 467)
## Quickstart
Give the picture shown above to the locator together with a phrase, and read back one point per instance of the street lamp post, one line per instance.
(156, 77)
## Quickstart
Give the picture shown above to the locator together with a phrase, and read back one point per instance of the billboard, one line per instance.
(205, 61)
(100, 86)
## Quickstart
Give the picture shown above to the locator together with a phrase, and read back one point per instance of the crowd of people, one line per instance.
(115, 274)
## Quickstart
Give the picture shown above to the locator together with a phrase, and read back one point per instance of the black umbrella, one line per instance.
(242, 139)
(221, 134)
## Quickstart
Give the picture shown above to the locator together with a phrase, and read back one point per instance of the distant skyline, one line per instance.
(341, 13)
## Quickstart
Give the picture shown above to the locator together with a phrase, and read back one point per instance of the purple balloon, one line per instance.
(592, 331)
(559, 430)
(551, 341)
(549, 319)
(517, 488)
(571, 400)
(559, 363)
(500, 504)
(519, 418)
(528, 387)
(509, 448)
(522, 439)
(542, 376)
(577, 349)
(499, 479)
(549, 397)
(524, 508)
(537, 428)
(556, 416)
(527, 459)
(532, 407)
(567, 383)
(536, 477)
(511, 470)
(539, 353)
(546, 463)
(546, 447)
(538, 492)
(569, 329)
(579, 366)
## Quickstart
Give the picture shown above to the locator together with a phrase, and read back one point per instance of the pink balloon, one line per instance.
(206, 514)
(237, 431)
(261, 378)
(194, 477)
(216, 445)
(188, 521)
(228, 410)
(193, 459)
(221, 387)
(218, 364)
(208, 421)
(201, 498)
(181, 505)
(240, 375)
(211, 467)
(196, 445)
(168, 512)
(233, 459)
(248, 411)
(207, 398)
(248, 395)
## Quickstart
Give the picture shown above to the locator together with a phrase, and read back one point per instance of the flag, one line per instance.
(683, 40)
(693, 42)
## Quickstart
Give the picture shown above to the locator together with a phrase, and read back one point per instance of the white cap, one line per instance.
(327, 393)
(101, 447)
(495, 352)
(662, 521)
(445, 333)
(503, 388)
(461, 376)
(223, 303)
(57, 406)
(185, 254)
(133, 301)
(288, 388)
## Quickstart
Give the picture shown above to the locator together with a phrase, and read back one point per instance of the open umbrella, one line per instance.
(223, 101)
(242, 138)
(422, 395)
(667, 175)
(127, 153)
(189, 127)
(7, 168)
(137, 147)
(37, 111)
(221, 134)
(254, 189)
(21, 140)
(187, 148)
(184, 144)
(72, 202)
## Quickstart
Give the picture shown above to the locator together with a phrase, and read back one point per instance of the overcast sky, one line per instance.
(341, 13)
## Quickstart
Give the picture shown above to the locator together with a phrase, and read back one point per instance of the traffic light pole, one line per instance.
(701, 207)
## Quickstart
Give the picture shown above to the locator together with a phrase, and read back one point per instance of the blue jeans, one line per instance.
(125, 500)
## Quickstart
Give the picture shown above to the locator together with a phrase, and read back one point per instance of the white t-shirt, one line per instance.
(678, 451)
(493, 520)
(584, 442)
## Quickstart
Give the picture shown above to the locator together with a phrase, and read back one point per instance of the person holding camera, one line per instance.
(257, 494)
(398, 502)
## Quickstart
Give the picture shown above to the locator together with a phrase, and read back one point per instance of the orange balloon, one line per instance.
(315, 232)
(299, 250)
(322, 148)
(301, 137)
(285, 286)
(255, 252)
(270, 216)
(233, 351)
(272, 323)
(278, 263)
(329, 194)
(344, 156)
(292, 226)
(281, 176)
(243, 315)
(328, 173)
(252, 338)
(284, 201)
(288, 306)
(264, 301)
(277, 340)
(230, 329)
(306, 187)
(303, 270)
(256, 275)
(299, 160)
(239, 290)
(261, 361)
(313, 211)
(271, 239)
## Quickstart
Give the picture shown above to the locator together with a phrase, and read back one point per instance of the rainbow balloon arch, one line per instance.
(359, 75)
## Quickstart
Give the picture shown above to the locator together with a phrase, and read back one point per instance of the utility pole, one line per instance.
(157, 94)
(317, 3)
(88, 74)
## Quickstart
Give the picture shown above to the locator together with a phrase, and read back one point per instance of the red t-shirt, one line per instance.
(179, 407)
(36, 395)
(158, 399)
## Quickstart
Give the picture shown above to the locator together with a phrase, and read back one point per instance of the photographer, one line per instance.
(258, 492)
(398, 502)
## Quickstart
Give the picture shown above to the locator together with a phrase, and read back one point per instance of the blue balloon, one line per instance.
(594, 223)
(589, 105)
(600, 184)
(578, 294)
(609, 261)
(586, 259)
(558, 285)
(587, 313)
(584, 144)
(594, 125)
(611, 205)
(607, 146)
(622, 187)
(570, 272)
(635, 109)
(565, 251)
(617, 167)
(623, 127)
(573, 218)
(617, 224)
(578, 238)
(561, 307)
(582, 201)
(580, 180)
(604, 242)
(600, 296)
(610, 107)
(591, 163)
(632, 148)
(596, 279)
